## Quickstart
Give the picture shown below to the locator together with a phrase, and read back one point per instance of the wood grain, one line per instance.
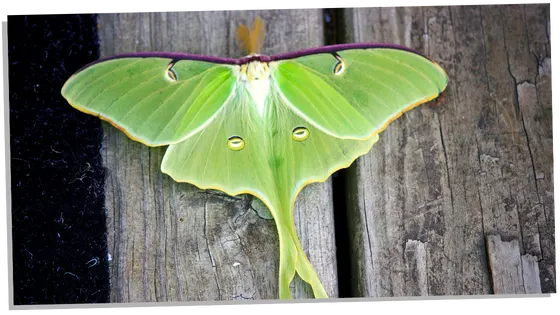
(448, 202)
(174, 242)
(439, 181)
(511, 272)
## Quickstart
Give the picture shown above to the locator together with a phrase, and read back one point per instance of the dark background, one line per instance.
(58, 221)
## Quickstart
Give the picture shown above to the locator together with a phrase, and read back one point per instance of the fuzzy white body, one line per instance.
(255, 76)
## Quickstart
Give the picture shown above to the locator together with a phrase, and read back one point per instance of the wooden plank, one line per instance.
(535, 101)
(448, 177)
(403, 189)
(531, 278)
(511, 272)
(416, 269)
(518, 49)
(174, 242)
(505, 266)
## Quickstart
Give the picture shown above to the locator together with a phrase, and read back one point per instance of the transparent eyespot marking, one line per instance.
(340, 65)
(235, 143)
(300, 134)
(170, 74)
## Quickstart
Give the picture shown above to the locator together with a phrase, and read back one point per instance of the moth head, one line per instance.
(255, 71)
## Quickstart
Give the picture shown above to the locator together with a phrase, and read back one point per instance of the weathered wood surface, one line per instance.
(174, 242)
(511, 272)
(438, 207)
(439, 181)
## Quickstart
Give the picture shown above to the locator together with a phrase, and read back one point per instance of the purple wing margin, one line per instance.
(261, 58)
(334, 48)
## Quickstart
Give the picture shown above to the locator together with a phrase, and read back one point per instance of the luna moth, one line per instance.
(260, 125)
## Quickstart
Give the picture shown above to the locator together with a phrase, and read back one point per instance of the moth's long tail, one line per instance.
(305, 270)
(293, 259)
(288, 261)
(251, 40)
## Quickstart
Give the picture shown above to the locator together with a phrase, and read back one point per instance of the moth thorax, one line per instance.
(256, 75)
(255, 70)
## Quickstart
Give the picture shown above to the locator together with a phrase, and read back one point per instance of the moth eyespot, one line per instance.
(300, 134)
(170, 74)
(236, 143)
(340, 66)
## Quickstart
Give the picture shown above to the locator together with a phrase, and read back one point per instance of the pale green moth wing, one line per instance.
(156, 101)
(265, 126)
(356, 93)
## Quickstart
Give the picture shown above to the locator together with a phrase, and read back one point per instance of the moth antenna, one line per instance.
(258, 31)
(243, 38)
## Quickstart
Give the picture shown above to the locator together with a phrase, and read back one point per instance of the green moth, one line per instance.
(260, 125)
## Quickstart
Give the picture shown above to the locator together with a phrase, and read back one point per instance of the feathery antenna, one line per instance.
(251, 40)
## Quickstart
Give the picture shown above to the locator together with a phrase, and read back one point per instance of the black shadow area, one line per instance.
(58, 220)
